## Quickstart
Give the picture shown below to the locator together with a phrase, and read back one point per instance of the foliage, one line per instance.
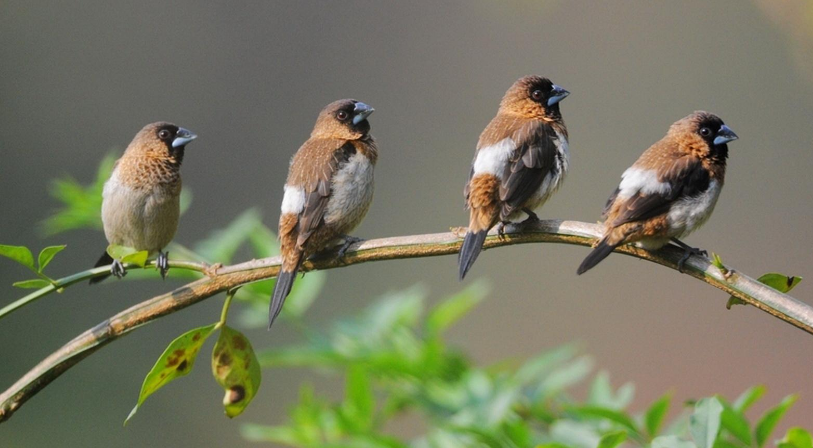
(397, 363)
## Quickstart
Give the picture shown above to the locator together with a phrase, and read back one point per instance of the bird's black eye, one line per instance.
(342, 115)
(537, 95)
(163, 134)
(705, 132)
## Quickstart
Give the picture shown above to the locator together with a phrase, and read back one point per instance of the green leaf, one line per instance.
(656, 413)
(601, 393)
(81, 205)
(176, 361)
(303, 294)
(261, 433)
(671, 442)
(718, 262)
(450, 310)
(796, 438)
(779, 282)
(767, 423)
(222, 244)
(748, 398)
(47, 254)
(735, 422)
(32, 284)
(360, 402)
(236, 369)
(128, 255)
(704, 424)
(612, 439)
(618, 417)
(20, 254)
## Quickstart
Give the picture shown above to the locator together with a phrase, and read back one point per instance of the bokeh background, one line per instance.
(77, 79)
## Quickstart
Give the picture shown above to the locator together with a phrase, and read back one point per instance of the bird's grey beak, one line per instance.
(557, 94)
(724, 135)
(361, 112)
(182, 137)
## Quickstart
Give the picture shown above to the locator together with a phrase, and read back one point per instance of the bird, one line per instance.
(669, 192)
(328, 191)
(521, 159)
(141, 199)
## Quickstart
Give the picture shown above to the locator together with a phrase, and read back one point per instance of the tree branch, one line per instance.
(222, 279)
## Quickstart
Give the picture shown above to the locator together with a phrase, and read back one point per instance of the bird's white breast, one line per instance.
(351, 192)
(689, 213)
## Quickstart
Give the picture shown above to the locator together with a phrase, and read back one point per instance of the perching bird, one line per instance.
(521, 159)
(141, 200)
(328, 191)
(669, 191)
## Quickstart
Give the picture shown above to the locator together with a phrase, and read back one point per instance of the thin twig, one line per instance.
(222, 279)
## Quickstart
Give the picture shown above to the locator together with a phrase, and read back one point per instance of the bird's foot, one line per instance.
(532, 218)
(459, 232)
(501, 231)
(348, 241)
(117, 269)
(162, 263)
(688, 251)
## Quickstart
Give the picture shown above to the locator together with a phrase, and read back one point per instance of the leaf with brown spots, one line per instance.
(176, 361)
(236, 369)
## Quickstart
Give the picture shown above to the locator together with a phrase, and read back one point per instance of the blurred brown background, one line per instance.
(79, 79)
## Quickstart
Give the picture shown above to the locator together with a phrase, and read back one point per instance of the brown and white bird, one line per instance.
(669, 191)
(521, 159)
(328, 191)
(141, 200)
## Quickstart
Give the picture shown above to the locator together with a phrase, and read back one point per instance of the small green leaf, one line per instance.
(176, 361)
(222, 244)
(779, 282)
(32, 284)
(704, 424)
(47, 254)
(612, 439)
(128, 255)
(767, 423)
(450, 310)
(655, 414)
(718, 262)
(734, 422)
(796, 438)
(236, 369)
(748, 398)
(671, 442)
(618, 417)
(20, 254)
(360, 402)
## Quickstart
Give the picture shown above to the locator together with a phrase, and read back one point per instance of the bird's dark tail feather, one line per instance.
(105, 259)
(472, 245)
(599, 253)
(285, 281)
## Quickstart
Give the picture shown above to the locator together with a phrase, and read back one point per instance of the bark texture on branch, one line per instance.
(416, 246)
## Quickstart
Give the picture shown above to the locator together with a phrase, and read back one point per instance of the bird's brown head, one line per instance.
(534, 97)
(161, 140)
(703, 133)
(343, 119)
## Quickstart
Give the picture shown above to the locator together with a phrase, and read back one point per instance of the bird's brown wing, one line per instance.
(686, 177)
(532, 160)
(317, 186)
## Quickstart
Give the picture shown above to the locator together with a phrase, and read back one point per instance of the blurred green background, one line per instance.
(79, 79)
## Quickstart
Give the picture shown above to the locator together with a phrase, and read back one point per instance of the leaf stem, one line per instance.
(224, 314)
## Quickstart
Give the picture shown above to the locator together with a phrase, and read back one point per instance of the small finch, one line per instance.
(141, 200)
(670, 191)
(328, 191)
(521, 160)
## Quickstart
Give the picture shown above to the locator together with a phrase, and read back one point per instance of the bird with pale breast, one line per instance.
(670, 191)
(521, 160)
(141, 200)
(328, 191)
